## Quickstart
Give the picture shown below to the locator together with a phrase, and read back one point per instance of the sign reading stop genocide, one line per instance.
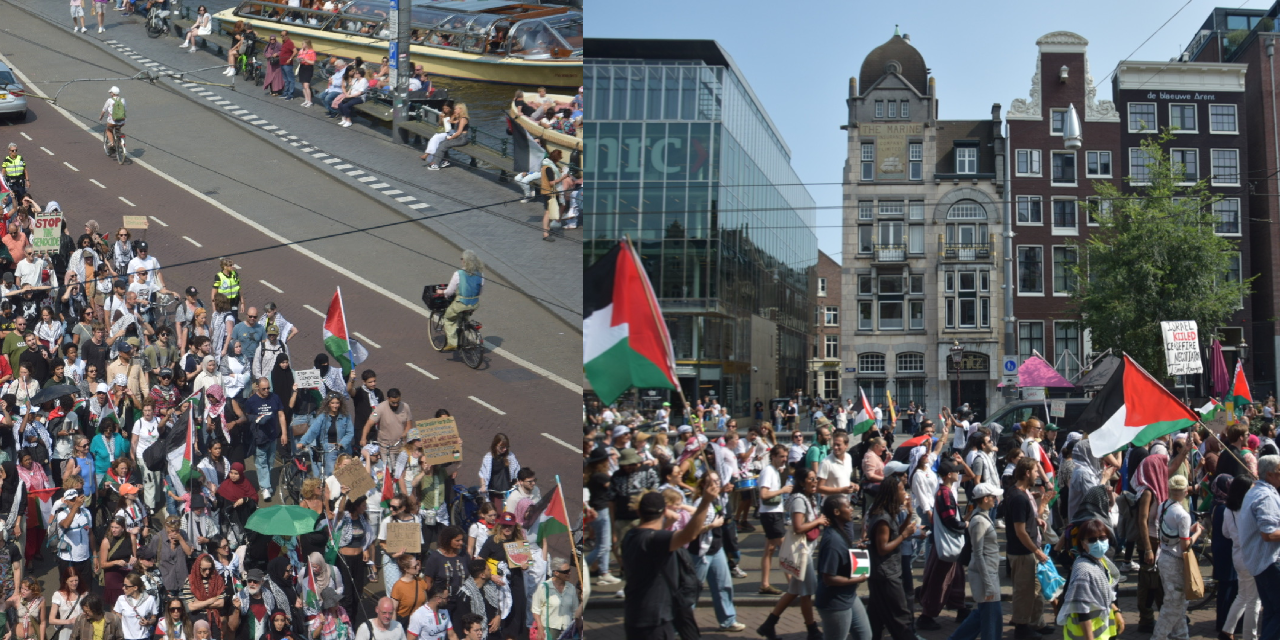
(46, 234)
(1182, 347)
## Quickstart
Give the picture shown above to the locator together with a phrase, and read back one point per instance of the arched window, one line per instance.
(966, 210)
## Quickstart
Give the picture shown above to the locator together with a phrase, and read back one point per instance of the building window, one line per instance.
(1189, 160)
(1095, 207)
(915, 238)
(950, 280)
(910, 390)
(1029, 210)
(865, 234)
(822, 287)
(1064, 281)
(1031, 270)
(892, 284)
(1064, 167)
(1227, 212)
(893, 109)
(1139, 165)
(866, 210)
(891, 240)
(1064, 217)
(1058, 120)
(917, 314)
(910, 363)
(831, 385)
(864, 316)
(1182, 118)
(1066, 338)
(1097, 164)
(904, 109)
(832, 347)
(891, 207)
(984, 281)
(967, 210)
(871, 363)
(1224, 167)
(915, 210)
(1028, 162)
(832, 317)
(874, 387)
(1030, 339)
(879, 108)
(1142, 117)
(866, 287)
(1222, 118)
(1234, 272)
(891, 314)
(916, 154)
(966, 159)
(916, 285)
(868, 160)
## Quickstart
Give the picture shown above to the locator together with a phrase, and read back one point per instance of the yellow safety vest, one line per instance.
(14, 167)
(229, 286)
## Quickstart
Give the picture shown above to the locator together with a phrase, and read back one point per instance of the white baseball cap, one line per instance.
(983, 489)
(114, 89)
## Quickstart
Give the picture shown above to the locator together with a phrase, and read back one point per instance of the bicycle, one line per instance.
(295, 472)
(248, 66)
(465, 510)
(157, 22)
(470, 341)
(118, 149)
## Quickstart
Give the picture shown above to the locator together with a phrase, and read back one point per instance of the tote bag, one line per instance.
(796, 550)
(1192, 580)
(946, 542)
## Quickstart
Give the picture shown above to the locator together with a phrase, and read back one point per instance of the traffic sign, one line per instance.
(1009, 381)
(1010, 365)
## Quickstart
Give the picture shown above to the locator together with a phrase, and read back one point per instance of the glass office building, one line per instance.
(683, 159)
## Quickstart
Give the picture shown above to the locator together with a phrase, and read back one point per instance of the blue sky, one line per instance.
(799, 55)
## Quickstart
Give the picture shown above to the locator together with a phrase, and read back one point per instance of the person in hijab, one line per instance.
(237, 499)
(1089, 598)
(216, 427)
(204, 591)
(282, 385)
(280, 571)
(281, 628)
(1151, 481)
(324, 576)
(208, 374)
(13, 501)
(1224, 570)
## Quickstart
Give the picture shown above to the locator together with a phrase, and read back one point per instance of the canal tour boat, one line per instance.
(491, 41)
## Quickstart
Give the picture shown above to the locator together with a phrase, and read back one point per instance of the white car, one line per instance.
(13, 96)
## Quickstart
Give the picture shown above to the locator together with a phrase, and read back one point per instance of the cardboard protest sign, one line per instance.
(136, 222)
(440, 441)
(46, 234)
(518, 553)
(356, 478)
(404, 537)
(1181, 347)
(307, 378)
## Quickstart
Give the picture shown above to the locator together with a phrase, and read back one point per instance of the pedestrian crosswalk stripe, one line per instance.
(390, 192)
(329, 161)
(419, 205)
(269, 127)
(380, 185)
(405, 199)
(341, 166)
(367, 179)
(353, 173)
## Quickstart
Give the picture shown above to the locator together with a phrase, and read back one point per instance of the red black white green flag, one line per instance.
(624, 339)
(1132, 407)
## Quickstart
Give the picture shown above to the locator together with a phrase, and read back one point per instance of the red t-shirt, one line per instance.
(286, 51)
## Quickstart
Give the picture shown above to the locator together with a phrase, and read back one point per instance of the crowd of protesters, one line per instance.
(666, 502)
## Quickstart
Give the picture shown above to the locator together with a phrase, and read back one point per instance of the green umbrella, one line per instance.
(283, 520)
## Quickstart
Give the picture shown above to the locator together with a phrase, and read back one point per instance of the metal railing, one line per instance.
(966, 251)
(891, 252)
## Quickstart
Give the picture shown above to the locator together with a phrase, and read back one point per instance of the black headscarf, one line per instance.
(282, 379)
(9, 490)
(276, 572)
(322, 363)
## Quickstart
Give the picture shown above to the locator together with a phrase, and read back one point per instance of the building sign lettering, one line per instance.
(1164, 95)
(971, 362)
(891, 146)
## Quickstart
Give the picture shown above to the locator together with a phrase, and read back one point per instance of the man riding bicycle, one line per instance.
(466, 284)
(114, 112)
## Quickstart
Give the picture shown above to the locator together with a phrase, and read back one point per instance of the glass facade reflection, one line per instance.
(683, 160)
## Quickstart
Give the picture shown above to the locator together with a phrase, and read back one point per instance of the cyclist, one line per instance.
(466, 284)
(114, 111)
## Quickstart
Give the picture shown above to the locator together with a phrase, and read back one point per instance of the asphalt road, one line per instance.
(213, 189)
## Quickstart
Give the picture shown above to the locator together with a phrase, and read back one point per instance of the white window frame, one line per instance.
(910, 362)
(879, 108)
(866, 210)
(1235, 118)
(1155, 126)
(1132, 152)
(1090, 221)
(1073, 230)
(1213, 177)
(865, 360)
(1064, 121)
(831, 347)
(895, 208)
(1028, 324)
(1053, 269)
(1195, 117)
(966, 162)
(869, 246)
(1017, 270)
(915, 210)
(1110, 166)
(1239, 220)
(1029, 200)
(869, 324)
(822, 287)
(915, 160)
(1074, 166)
(915, 239)
(868, 164)
(893, 109)
(902, 315)
(1034, 167)
(831, 316)
(1195, 154)
(904, 108)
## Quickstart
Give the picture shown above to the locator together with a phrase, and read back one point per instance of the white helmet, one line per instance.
(114, 90)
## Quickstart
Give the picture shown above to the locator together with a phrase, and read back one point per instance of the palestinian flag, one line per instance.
(1210, 410)
(182, 464)
(337, 342)
(1132, 407)
(388, 487)
(864, 419)
(45, 498)
(1239, 395)
(310, 595)
(625, 342)
(548, 517)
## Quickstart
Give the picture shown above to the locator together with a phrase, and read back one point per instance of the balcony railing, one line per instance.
(891, 252)
(966, 252)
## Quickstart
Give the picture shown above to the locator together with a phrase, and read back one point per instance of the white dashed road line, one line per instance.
(366, 339)
(71, 167)
(489, 406)
(122, 199)
(421, 370)
(330, 160)
(390, 192)
(24, 134)
(340, 167)
(188, 239)
(158, 221)
(98, 183)
(419, 205)
(320, 155)
(366, 179)
(314, 310)
(405, 199)
(380, 185)
(46, 150)
(271, 286)
(562, 442)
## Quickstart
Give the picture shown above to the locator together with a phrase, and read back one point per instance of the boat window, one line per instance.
(370, 26)
(427, 17)
(569, 27)
(316, 18)
(261, 10)
(535, 39)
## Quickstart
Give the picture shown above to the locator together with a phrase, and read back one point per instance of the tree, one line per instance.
(1154, 257)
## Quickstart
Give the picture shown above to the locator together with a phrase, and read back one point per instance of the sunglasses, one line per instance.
(178, 609)
(1097, 539)
(253, 317)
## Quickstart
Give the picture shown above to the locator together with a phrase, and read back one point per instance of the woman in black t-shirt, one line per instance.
(888, 601)
(448, 564)
(837, 600)
(513, 625)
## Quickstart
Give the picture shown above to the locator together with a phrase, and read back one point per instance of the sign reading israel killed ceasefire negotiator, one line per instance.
(1181, 347)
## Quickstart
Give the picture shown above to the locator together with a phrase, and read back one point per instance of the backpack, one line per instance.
(117, 109)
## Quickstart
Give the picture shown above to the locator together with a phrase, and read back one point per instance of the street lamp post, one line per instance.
(957, 354)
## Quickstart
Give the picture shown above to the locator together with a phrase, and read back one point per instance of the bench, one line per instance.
(375, 109)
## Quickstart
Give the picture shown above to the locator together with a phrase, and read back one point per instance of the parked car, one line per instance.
(1011, 414)
(13, 96)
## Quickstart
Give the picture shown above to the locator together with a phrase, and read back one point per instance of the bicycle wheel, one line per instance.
(155, 28)
(435, 329)
(120, 150)
(472, 348)
(106, 146)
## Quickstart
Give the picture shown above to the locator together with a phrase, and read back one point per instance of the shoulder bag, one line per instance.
(948, 544)
(1192, 580)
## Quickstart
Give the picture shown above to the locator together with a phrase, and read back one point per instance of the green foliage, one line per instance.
(1154, 257)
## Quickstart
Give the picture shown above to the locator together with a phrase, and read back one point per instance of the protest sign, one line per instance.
(308, 379)
(440, 441)
(859, 563)
(404, 537)
(46, 233)
(518, 553)
(136, 222)
(1181, 347)
(356, 478)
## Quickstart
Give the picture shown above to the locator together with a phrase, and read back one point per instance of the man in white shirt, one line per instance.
(384, 626)
(334, 89)
(144, 260)
(879, 414)
(555, 602)
(29, 269)
(835, 473)
(75, 524)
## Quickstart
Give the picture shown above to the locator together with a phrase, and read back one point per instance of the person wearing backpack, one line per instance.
(114, 110)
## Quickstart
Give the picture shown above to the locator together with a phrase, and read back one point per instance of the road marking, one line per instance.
(314, 310)
(354, 173)
(295, 143)
(269, 127)
(559, 441)
(419, 205)
(248, 116)
(390, 192)
(95, 181)
(153, 64)
(411, 305)
(342, 166)
(319, 155)
(379, 186)
(367, 179)
(188, 239)
(71, 167)
(46, 150)
(421, 370)
(332, 160)
(239, 112)
(405, 199)
(24, 134)
(279, 132)
(258, 122)
(122, 199)
(158, 221)
(366, 339)
(291, 137)
(271, 286)
(308, 150)
(486, 404)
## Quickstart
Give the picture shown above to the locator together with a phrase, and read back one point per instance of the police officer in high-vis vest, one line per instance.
(227, 282)
(466, 284)
(15, 173)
